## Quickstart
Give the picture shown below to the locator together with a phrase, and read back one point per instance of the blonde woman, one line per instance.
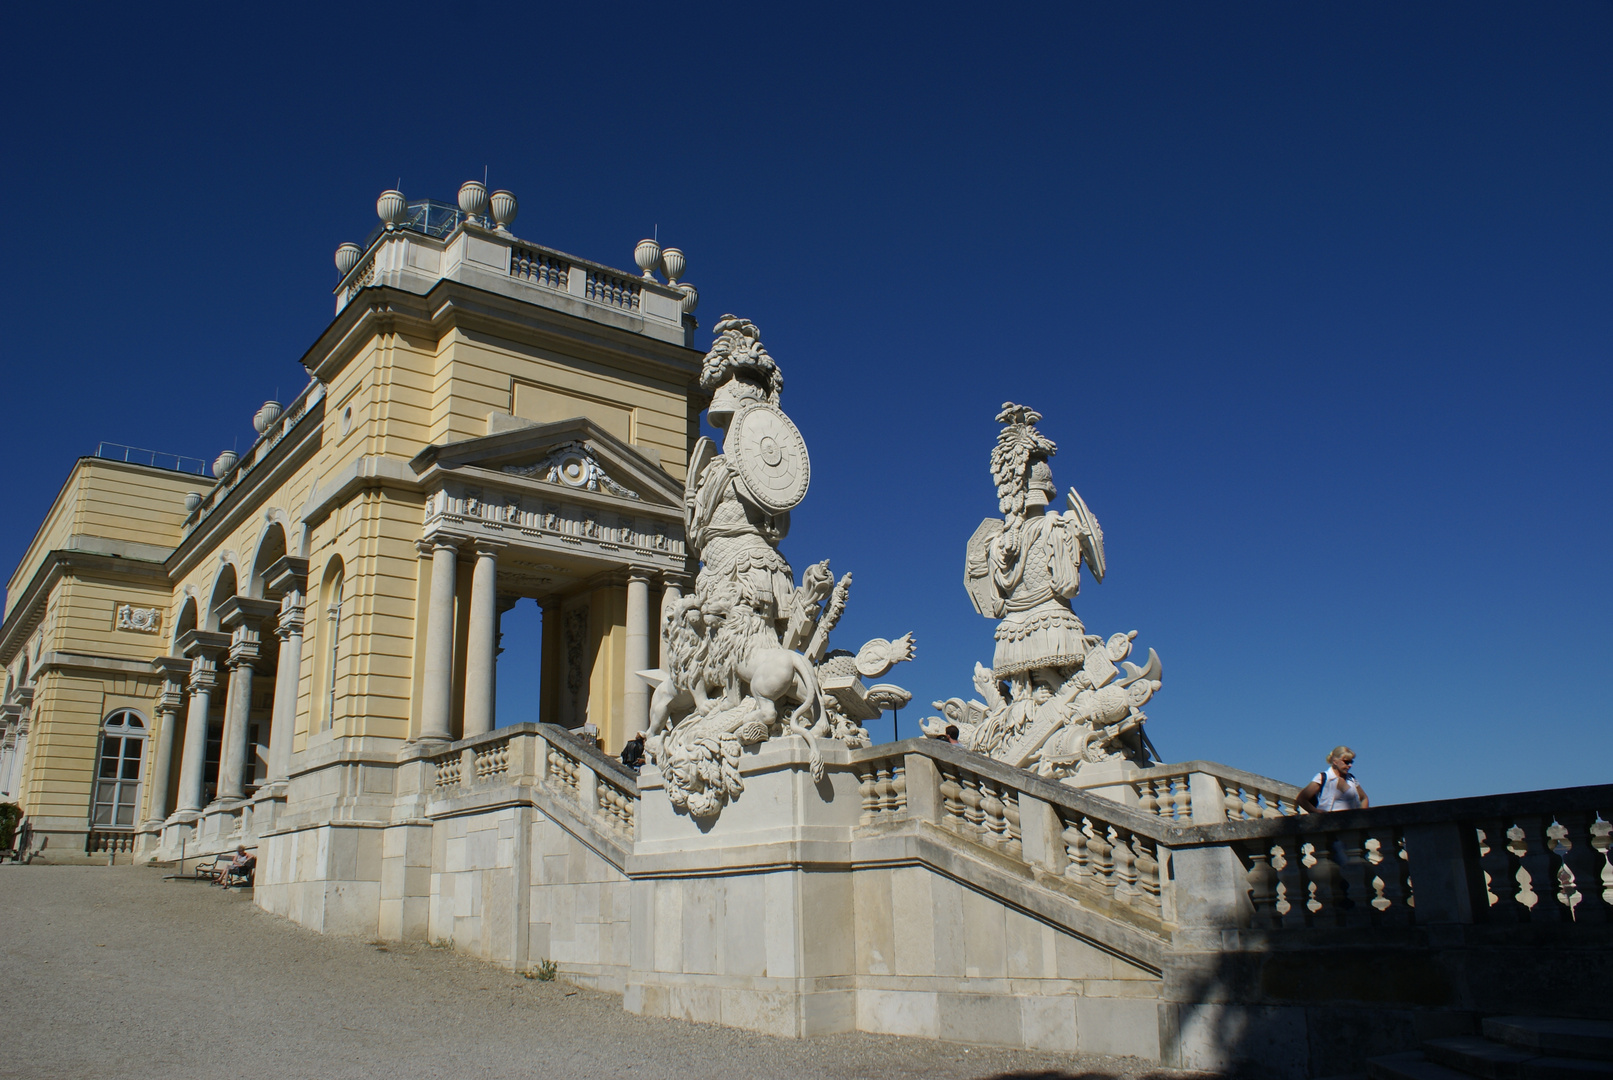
(1335, 788)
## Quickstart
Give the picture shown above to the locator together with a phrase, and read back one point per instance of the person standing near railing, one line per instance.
(1335, 788)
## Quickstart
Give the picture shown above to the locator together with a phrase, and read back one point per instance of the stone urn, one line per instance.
(473, 199)
(391, 208)
(691, 297)
(672, 263)
(648, 257)
(224, 463)
(267, 415)
(193, 499)
(347, 257)
(504, 208)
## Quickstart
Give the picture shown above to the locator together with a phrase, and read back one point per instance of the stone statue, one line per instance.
(746, 656)
(1054, 700)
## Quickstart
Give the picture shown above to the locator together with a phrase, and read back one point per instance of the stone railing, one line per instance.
(544, 756)
(613, 291)
(1204, 792)
(110, 842)
(1533, 857)
(539, 267)
(311, 396)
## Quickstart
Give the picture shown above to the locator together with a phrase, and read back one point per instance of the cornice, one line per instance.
(57, 564)
(250, 492)
(453, 304)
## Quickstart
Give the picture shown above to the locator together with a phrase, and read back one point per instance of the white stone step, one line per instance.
(1550, 1035)
(1411, 1065)
(1475, 1056)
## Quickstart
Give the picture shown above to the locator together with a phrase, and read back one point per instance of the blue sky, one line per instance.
(1315, 299)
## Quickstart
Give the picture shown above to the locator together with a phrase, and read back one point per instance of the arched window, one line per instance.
(329, 639)
(117, 773)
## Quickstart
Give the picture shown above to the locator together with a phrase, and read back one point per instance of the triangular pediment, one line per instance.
(576, 454)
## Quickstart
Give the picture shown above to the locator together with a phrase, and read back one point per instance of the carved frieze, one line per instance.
(141, 620)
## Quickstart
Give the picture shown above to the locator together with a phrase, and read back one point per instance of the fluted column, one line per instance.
(635, 692)
(482, 638)
(203, 679)
(168, 709)
(437, 689)
(244, 651)
(287, 677)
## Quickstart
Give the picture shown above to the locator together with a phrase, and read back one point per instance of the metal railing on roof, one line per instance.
(426, 216)
(155, 458)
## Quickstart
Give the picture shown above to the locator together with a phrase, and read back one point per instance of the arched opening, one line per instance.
(328, 651)
(271, 549)
(224, 587)
(116, 798)
(186, 621)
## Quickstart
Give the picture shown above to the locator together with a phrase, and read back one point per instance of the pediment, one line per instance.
(575, 454)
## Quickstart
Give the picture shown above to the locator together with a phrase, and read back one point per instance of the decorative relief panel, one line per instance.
(140, 620)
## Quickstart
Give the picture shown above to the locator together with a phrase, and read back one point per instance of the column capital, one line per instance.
(245, 612)
(484, 546)
(673, 579)
(288, 574)
(203, 678)
(175, 672)
(202, 644)
(439, 540)
(641, 573)
(291, 622)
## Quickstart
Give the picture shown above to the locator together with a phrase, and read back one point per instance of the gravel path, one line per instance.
(113, 972)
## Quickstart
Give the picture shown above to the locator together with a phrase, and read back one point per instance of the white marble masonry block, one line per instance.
(1048, 1023)
(913, 918)
(756, 1010)
(1118, 1026)
(783, 952)
(1023, 941)
(983, 937)
(949, 949)
(1265, 1034)
(984, 1019)
(743, 931)
(896, 1012)
(669, 926)
(876, 941)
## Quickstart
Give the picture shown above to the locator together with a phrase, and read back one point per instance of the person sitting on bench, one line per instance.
(240, 866)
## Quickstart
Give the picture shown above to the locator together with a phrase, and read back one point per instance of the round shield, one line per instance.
(977, 570)
(769, 456)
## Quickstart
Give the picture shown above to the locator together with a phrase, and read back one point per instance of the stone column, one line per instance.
(437, 689)
(481, 640)
(549, 663)
(287, 679)
(244, 651)
(203, 678)
(635, 692)
(168, 708)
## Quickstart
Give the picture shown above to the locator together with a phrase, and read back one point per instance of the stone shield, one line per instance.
(769, 457)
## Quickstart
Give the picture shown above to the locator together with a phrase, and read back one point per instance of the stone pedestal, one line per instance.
(734, 922)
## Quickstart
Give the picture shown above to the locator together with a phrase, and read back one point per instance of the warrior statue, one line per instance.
(1054, 699)
(746, 656)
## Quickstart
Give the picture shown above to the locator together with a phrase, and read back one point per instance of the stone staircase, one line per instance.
(1511, 1048)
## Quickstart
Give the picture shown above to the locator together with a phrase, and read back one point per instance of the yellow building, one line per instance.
(486, 420)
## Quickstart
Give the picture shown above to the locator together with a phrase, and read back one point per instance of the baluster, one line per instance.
(972, 813)
(1386, 853)
(1078, 869)
(866, 786)
(1289, 905)
(1327, 880)
(1357, 876)
(1015, 847)
(1148, 796)
(1582, 865)
(898, 786)
(1233, 804)
(1252, 810)
(991, 808)
(1101, 853)
(1182, 799)
(887, 787)
(1601, 839)
(951, 799)
(1147, 852)
(1262, 885)
(1274, 805)
(1125, 867)
(1537, 880)
(1500, 881)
